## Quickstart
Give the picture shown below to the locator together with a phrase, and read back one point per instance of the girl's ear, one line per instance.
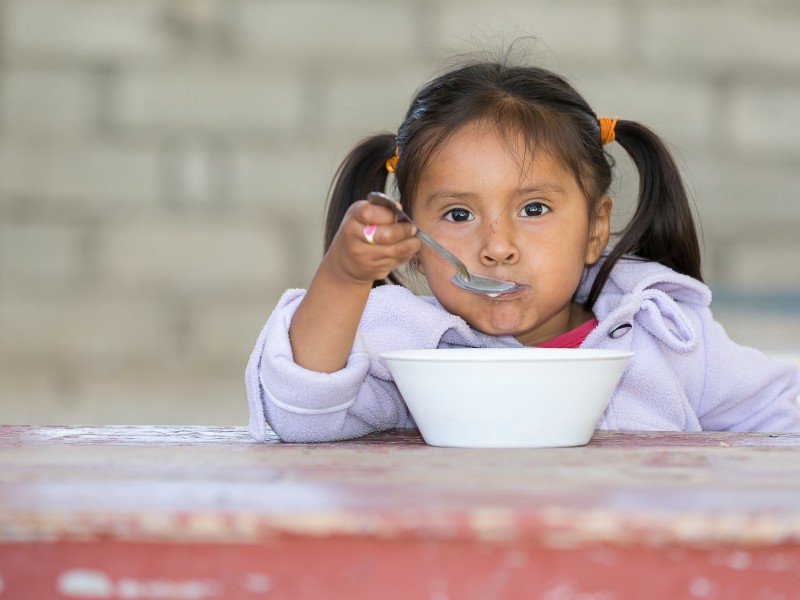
(416, 264)
(599, 230)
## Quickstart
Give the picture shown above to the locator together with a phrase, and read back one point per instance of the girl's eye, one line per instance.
(534, 209)
(458, 215)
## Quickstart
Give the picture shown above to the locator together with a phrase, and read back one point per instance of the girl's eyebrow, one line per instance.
(449, 194)
(542, 187)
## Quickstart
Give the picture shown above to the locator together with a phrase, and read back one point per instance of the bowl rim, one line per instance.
(526, 354)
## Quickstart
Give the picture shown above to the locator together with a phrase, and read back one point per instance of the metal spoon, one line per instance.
(463, 278)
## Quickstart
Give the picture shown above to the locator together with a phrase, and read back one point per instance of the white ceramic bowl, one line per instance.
(506, 397)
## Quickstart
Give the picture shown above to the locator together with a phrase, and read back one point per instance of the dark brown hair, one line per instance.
(552, 117)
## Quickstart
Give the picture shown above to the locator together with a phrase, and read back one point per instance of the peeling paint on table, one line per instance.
(204, 512)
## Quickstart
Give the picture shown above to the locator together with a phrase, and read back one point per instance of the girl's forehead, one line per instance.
(485, 144)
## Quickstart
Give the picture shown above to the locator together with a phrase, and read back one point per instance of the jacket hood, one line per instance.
(653, 295)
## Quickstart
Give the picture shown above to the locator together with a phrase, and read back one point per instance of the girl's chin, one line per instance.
(505, 316)
(504, 325)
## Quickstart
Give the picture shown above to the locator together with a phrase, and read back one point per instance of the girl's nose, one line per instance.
(499, 246)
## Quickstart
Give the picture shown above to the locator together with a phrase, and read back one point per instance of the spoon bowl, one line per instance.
(470, 282)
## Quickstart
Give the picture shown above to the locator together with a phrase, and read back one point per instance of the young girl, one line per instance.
(505, 167)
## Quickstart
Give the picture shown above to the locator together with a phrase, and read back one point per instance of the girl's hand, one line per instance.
(352, 256)
(326, 321)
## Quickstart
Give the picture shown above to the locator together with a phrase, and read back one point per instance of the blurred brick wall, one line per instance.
(164, 165)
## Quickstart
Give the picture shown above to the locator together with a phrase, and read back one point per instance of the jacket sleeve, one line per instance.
(744, 389)
(308, 406)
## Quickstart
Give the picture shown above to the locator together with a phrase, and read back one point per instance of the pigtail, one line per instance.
(361, 172)
(662, 228)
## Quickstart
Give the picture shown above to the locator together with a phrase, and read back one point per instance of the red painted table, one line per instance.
(203, 512)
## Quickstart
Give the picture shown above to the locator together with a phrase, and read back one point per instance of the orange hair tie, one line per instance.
(607, 125)
(391, 163)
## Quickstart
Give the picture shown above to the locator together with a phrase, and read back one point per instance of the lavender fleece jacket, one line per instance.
(685, 375)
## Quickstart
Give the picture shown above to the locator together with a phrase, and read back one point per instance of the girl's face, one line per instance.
(512, 218)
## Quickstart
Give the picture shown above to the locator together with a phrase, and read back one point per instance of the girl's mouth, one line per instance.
(520, 289)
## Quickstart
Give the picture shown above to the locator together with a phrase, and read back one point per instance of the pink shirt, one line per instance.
(571, 339)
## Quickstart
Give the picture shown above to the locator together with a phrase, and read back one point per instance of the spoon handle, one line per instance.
(444, 252)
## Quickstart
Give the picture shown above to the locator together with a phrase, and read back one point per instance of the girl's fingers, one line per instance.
(407, 248)
(386, 235)
(369, 233)
(367, 213)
